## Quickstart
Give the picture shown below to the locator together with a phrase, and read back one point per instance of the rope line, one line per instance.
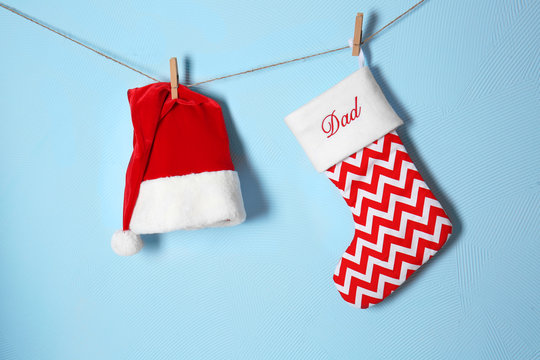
(216, 78)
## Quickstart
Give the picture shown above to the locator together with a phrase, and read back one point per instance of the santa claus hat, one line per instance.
(180, 175)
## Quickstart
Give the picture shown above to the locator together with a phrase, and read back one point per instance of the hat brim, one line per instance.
(193, 201)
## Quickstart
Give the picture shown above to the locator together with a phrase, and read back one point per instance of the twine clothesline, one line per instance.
(216, 78)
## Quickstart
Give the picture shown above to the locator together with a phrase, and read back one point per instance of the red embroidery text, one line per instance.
(332, 123)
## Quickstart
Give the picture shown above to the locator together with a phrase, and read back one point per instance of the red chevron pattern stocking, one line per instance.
(399, 225)
(349, 132)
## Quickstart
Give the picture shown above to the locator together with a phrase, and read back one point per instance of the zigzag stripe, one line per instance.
(359, 288)
(394, 219)
(406, 188)
(378, 150)
(352, 171)
(390, 170)
(390, 241)
(399, 225)
(389, 261)
(362, 258)
(350, 281)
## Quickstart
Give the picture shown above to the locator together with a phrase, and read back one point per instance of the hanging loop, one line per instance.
(361, 58)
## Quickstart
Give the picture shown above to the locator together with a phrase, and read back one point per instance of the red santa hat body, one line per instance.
(180, 175)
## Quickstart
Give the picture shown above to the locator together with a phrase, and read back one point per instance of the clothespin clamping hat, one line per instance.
(174, 78)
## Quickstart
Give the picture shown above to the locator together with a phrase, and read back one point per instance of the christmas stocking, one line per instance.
(349, 132)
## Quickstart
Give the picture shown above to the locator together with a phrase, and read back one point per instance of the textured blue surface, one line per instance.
(464, 76)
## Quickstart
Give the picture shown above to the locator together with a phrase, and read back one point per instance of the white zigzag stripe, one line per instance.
(350, 273)
(400, 233)
(376, 147)
(393, 200)
(383, 279)
(406, 216)
(428, 253)
(379, 148)
(381, 188)
(394, 249)
(390, 164)
(334, 175)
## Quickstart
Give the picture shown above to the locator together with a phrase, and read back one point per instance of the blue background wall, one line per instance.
(464, 76)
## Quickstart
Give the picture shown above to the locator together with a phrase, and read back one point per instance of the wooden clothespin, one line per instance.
(357, 40)
(174, 78)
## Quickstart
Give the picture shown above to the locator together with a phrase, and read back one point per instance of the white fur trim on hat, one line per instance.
(126, 243)
(193, 201)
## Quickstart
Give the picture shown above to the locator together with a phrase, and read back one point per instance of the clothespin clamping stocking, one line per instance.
(356, 42)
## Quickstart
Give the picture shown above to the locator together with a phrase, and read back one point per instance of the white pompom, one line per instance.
(126, 243)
